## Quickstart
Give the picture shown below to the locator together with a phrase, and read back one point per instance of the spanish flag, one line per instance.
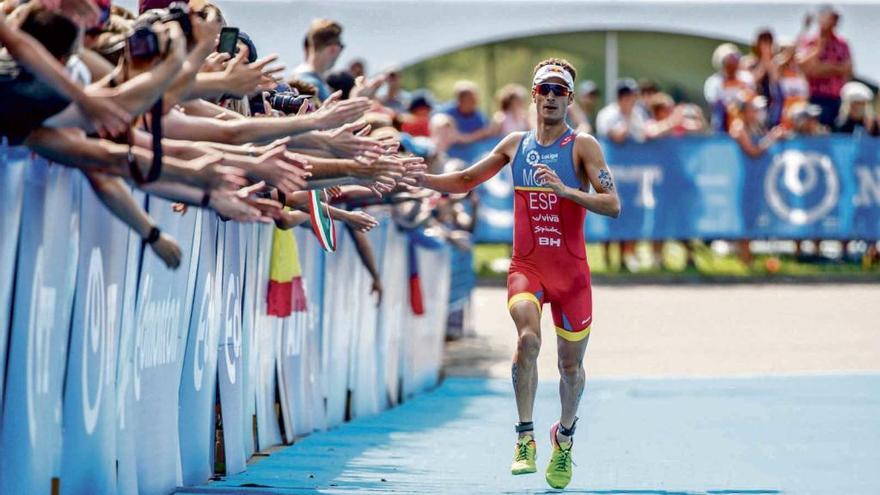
(286, 293)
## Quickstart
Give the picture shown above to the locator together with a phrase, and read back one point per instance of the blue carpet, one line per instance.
(756, 436)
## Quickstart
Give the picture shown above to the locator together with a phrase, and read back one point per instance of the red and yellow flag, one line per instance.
(286, 292)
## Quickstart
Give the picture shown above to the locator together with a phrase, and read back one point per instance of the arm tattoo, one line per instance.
(605, 180)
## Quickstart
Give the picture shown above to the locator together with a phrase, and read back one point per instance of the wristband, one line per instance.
(153, 236)
(133, 168)
(282, 198)
(206, 199)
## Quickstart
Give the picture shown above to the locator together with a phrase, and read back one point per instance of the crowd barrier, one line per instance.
(706, 187)
(115, 366)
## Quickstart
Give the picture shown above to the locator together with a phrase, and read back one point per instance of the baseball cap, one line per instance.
(587, 87)
(421, 99)
(552, 71)
(626, 86)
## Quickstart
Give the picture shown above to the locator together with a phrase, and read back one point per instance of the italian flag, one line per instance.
(286, 292)
(322, 224)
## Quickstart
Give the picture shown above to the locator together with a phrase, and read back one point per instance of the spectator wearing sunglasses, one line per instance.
(323, 46)
(620, 121)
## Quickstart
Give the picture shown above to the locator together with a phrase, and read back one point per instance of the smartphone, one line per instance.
(228, 41)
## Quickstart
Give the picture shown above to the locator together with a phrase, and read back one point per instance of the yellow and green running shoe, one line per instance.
(524, 455)
(559, 470)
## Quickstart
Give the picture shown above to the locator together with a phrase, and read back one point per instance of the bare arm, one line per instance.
(590, 160)
(469, 178)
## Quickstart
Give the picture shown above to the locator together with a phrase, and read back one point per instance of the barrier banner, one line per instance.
(705, 187)
(367, 396)
(393, 311)
(126, 453)
(268, 343)
(313, 260)
(340, 269)
(199, 379)
(90, 388)
(229, 354)
(14, 163)
(164, 306)
(254, 258)
(30, 435)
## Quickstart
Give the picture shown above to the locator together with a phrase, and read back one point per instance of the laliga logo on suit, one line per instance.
(802, 174)
(100, 324)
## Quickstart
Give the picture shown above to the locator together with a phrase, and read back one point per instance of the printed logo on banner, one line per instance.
(205, 341)
(100, 326)
(156, 333)
(869, 187)
(808, 178)
(646, 176)
(232, 328)
(42, 313)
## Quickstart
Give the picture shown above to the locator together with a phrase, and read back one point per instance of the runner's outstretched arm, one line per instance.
(469, 178)
(591, 162)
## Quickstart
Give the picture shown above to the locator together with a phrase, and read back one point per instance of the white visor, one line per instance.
(553, 71)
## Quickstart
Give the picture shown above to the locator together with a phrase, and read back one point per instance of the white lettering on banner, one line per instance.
(869, 187)
(546, 241)
(41, 319)
(546, 218)
(542, 200)
(156, 333)
(646, 176)
(232, 328)
(801, 174)
(99, 328)
(204, 331)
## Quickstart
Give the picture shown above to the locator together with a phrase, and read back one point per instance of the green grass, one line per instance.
(490, 260)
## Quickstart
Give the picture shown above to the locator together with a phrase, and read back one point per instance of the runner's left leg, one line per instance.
(572, 378)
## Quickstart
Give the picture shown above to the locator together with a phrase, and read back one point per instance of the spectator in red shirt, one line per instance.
(826, 61)
(418, 121)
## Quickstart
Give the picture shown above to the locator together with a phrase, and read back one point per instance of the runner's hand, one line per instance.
(547, 177)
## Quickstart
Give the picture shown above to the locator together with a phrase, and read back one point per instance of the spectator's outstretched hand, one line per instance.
(377, 290)
(360, 221)
(349, 141)
(335, 112)
(414, 171)
(269, 209)
(206, 30)
(167, 250)
(215, 62)
(107, 118)
(209, 174)
(367, 89)
(246, 79)
(278, 170)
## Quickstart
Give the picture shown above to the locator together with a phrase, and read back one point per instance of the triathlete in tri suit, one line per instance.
(553, 168)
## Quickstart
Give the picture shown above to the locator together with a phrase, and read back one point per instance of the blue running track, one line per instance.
(762, 435)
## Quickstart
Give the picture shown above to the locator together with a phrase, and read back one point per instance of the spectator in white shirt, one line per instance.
(620, 121)
(723, 87)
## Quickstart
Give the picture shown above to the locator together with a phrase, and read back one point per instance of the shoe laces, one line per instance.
(563, 458)
(522, 450)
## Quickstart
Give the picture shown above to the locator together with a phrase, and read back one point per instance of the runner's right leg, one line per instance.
(524, 373)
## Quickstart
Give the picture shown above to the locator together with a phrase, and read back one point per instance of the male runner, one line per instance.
(553, 168)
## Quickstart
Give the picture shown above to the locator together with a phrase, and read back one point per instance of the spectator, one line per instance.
(826, 62)
(324, 44)
(418, 121)
(647, 89)
(341, 80)
(392, 95)
(856, 113)
(749, 125)
(766, 76)
(620, 121)
(667, 119)
(804, 119)
(794, 86)
(470, 123)
(722, 87)
(580, 114)
(512, 115)
(357, 68)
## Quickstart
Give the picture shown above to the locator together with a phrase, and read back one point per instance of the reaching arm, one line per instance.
(591, 162)
(469, 178)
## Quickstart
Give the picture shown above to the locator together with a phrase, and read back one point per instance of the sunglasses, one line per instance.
(557, 89)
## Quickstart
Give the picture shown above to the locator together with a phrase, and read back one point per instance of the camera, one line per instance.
(179, 12)
(143, 43)
(288, 102)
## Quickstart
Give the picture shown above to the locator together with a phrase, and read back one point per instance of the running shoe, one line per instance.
(559, 470)
(524, 455)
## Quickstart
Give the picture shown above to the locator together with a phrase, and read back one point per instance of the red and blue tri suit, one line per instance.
(549, 262)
